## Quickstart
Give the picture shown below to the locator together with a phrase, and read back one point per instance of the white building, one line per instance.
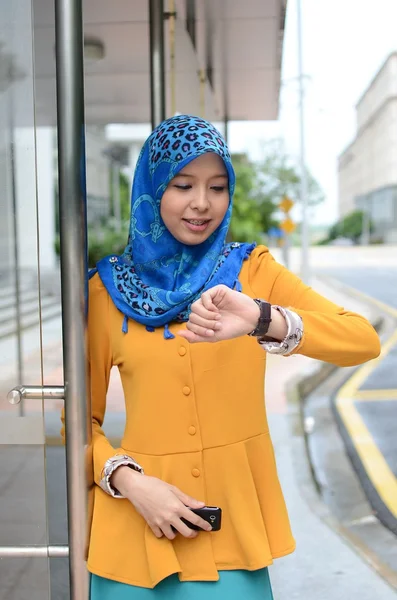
(367, 169)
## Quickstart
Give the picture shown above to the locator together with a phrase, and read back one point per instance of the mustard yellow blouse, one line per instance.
(196, 418)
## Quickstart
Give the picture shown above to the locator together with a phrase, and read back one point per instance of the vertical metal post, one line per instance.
(72, 210)
(226, 128)
(305, 265)
(366, 227)
(157, 63)
(116, 194)
(286, 250)
(172, 75)
(17, 275)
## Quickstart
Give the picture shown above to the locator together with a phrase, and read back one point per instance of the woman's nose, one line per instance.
(200, 201)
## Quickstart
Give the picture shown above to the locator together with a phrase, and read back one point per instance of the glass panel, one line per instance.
(50, 282)
(23, 514)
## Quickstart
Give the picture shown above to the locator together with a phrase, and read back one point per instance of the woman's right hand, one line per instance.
(161, 505)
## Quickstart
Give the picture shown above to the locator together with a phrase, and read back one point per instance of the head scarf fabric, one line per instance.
(157, 278)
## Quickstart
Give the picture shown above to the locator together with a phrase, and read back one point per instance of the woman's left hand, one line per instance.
(221, 314)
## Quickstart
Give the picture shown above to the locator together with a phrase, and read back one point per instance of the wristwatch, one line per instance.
(265, 318)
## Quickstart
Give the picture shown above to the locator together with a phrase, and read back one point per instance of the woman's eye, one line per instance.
(183, 187)
(218, 188)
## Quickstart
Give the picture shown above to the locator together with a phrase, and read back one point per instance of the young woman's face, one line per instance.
(196, 200)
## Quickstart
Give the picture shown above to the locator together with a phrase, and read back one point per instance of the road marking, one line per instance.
(362, 373)
(379, 472)
(385, 307)
(375, 395)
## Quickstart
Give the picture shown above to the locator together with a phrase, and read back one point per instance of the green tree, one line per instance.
(280, 176)
(261, 186)
(351, 226)
(125, 197)
(251, 217)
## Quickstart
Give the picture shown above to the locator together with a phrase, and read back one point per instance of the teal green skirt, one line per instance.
(232, 585)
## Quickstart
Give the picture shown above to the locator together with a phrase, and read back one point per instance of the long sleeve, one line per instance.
(100, 363)
(330, 333)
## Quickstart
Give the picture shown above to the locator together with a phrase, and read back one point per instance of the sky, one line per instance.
(345, 42)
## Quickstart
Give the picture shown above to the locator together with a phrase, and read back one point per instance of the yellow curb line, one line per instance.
(373, 460)
(308, 486)
(381, 305)
(375, 395)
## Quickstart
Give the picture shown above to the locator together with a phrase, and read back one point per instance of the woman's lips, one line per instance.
(196, 224)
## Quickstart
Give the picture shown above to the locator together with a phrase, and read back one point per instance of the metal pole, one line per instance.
(172, 75)
(286, 250)
(157, 64)
(17, 276)
(226, 128)
(116, 195)
(365, 234)
(72, 211)
(305, 264)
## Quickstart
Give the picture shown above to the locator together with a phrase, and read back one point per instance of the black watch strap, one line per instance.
(265, 318)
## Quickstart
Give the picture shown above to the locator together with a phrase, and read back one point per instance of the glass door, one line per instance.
(43, 484)
(23, 497)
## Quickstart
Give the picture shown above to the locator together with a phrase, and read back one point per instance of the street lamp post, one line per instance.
(305, 265)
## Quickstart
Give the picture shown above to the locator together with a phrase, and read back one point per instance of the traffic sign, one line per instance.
(286, 204)
(275, 232)
(288, 226)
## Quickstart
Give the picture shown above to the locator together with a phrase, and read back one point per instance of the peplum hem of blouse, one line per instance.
(255, 525)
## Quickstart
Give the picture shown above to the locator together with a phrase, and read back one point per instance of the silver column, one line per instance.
(72, 210)
(305, 230)
(157, 65)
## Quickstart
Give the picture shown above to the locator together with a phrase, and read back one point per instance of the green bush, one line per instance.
(105, 240)
(351, 226)
(102, 241)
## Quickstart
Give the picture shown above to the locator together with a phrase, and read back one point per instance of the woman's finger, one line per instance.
(199, 309)
(192, 338)
(206, 299)
(195, 519)
(186, 499)
(183, 529)
(204, 323)
(203, 332)
(168, 531)
(157, 531)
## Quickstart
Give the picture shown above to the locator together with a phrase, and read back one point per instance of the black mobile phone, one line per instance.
(211, 514)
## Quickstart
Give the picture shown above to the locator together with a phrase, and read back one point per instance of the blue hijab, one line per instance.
(157, 278)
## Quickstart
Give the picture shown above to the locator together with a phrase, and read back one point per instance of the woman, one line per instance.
(196, 431)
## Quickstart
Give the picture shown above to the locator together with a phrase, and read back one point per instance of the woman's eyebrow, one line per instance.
(191, 175)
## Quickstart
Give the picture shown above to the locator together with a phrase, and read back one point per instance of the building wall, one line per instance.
(383, 86)
(367, 169)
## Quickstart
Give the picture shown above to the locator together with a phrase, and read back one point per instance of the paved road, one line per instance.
(378, 282)
(367, 404)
